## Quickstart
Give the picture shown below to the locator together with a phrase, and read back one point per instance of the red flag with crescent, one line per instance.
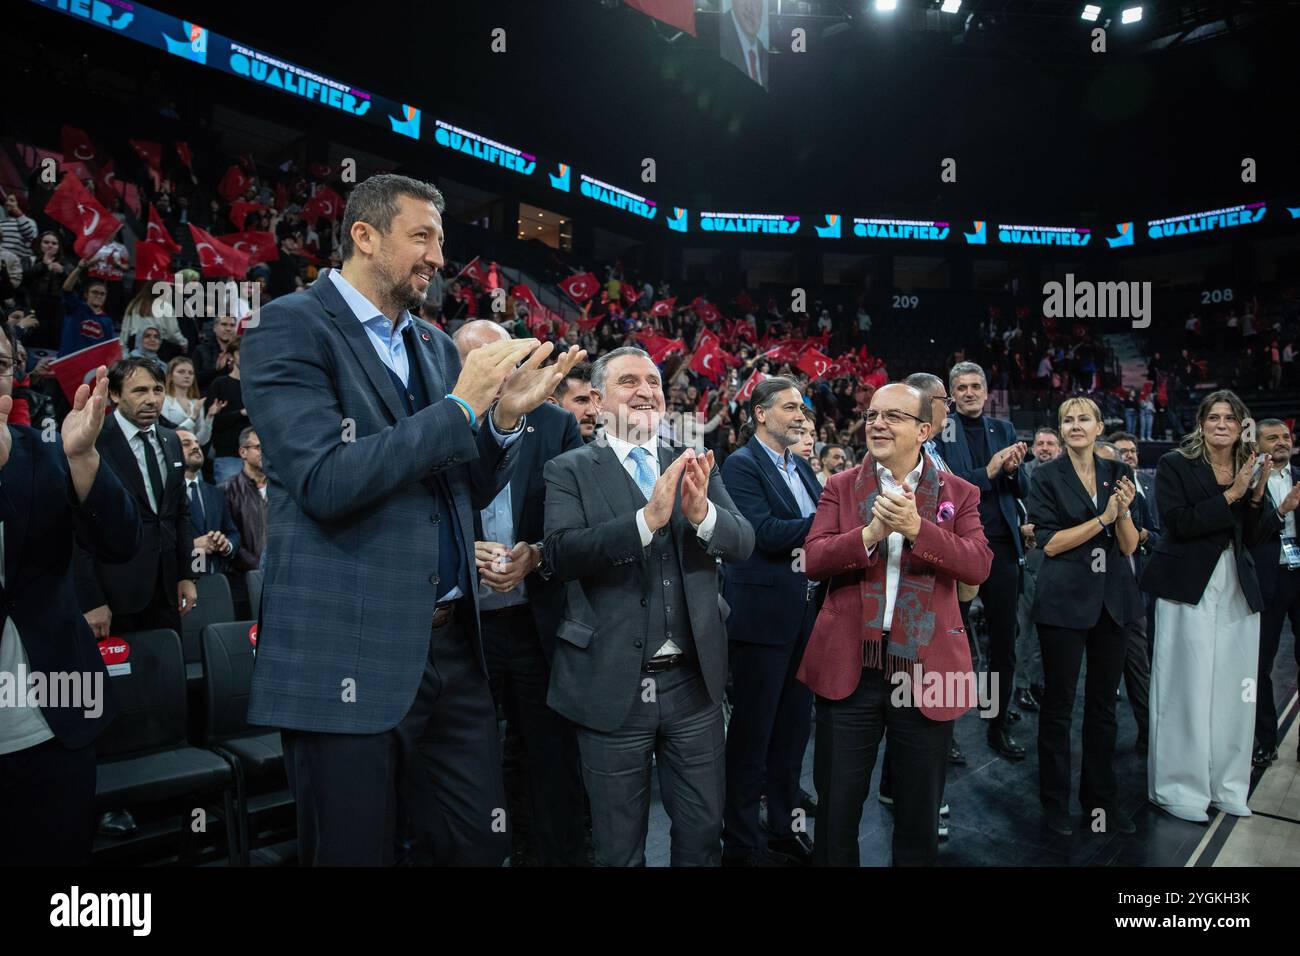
(73, 206)
(216, 259)
(157, 232)
(580, 287)
(258, 246)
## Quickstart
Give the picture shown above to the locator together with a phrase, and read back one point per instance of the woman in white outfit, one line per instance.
(1207, 615)
(183, 406)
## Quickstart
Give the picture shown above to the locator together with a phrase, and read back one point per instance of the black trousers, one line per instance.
(682, 727)
(771, 718)
(1285, 605)
(432, 784)
(47, 805)
(550, 771)
(848, 737)
(1137, 674)
(1000, 594)
(1105, 644)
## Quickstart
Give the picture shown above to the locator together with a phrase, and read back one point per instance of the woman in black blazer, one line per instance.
(1087, 594)
(1207, 614)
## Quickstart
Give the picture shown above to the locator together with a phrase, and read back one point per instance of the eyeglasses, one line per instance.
(893, 416)
(948, 402)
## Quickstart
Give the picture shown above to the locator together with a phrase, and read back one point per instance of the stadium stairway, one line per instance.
(1132, 362)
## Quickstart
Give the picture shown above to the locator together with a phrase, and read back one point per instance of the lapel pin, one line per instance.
(529, 428)
(425, 336)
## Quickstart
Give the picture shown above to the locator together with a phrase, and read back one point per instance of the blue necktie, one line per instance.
(645, 476)
(197, 512)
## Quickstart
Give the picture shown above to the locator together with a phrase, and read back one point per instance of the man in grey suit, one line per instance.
(635, 530)
(369, 654)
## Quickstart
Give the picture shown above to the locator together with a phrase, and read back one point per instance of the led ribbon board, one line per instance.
(923, 229)
(749, 222)
(190, 41)
(1043, 235)
(1229, 217)
(620, 199)
(484, 149)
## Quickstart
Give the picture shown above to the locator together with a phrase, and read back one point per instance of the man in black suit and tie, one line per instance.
(52, 493)
(984, 451)
(215, 534)
(773, 609)
(1137, 657)
(635, 530)
(743, 38)
(1277, 562)
(156, 588)
(520, 606)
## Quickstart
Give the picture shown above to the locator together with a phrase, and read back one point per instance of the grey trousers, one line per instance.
(682, 727)
(1029, 653)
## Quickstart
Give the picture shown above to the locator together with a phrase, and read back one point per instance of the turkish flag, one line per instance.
(157, 232)
(73, 206)
(258, 246)
(216, 259)
(707, 340)
(233, 184)
(325, 204)
(585, 325)
(150, 153)
(153, 261)
(240, 211)
(630, 294)
(663, 308)
(665, 348)
(710, 363)
(77, 146)
(320, 171)
(106, 185)
(525, 294)
(814, 363)
(580, 287)
(783, 353)
(707, 311)
(79, 367)
(475, 271)
(675, 13)
(187, 158)
(32, 156)
(747, 389)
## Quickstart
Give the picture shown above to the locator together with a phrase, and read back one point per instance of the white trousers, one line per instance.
(1203, 673)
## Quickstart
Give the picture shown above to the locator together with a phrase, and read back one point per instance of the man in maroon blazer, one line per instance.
(889, 653)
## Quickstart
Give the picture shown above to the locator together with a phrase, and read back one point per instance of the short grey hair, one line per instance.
(928, 385)
(600, 367)
(966, 368)
(374, 202)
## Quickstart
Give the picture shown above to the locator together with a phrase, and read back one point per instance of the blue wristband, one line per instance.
(465, 405)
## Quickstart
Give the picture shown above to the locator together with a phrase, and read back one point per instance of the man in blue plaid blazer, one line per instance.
(377, 453)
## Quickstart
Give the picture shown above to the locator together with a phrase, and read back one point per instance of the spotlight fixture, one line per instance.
(1131, 15)
(950, 6)
(1091, 12)
(885, 6)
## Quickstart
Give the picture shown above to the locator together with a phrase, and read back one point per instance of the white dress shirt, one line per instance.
(129, 431)
(1279, 486)
(748, 47)
(623, 449)
(894, 542)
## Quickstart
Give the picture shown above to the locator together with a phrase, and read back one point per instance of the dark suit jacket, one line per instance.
(1268, 550)
(1148, 482)
(352, 518)
(1198, 524)
(592, 544)
(215, 516)
(999, 434)
(167, 544)
(1070, 592)
(42, 518)
(767, 596)
(551, 431)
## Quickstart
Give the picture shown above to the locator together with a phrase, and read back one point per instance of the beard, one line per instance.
(398, 292)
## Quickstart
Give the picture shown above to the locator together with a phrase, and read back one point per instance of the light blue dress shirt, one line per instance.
(786, 466)
(386, 337)
(499, 526)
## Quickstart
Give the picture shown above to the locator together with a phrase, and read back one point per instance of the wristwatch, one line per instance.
(543, 569)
